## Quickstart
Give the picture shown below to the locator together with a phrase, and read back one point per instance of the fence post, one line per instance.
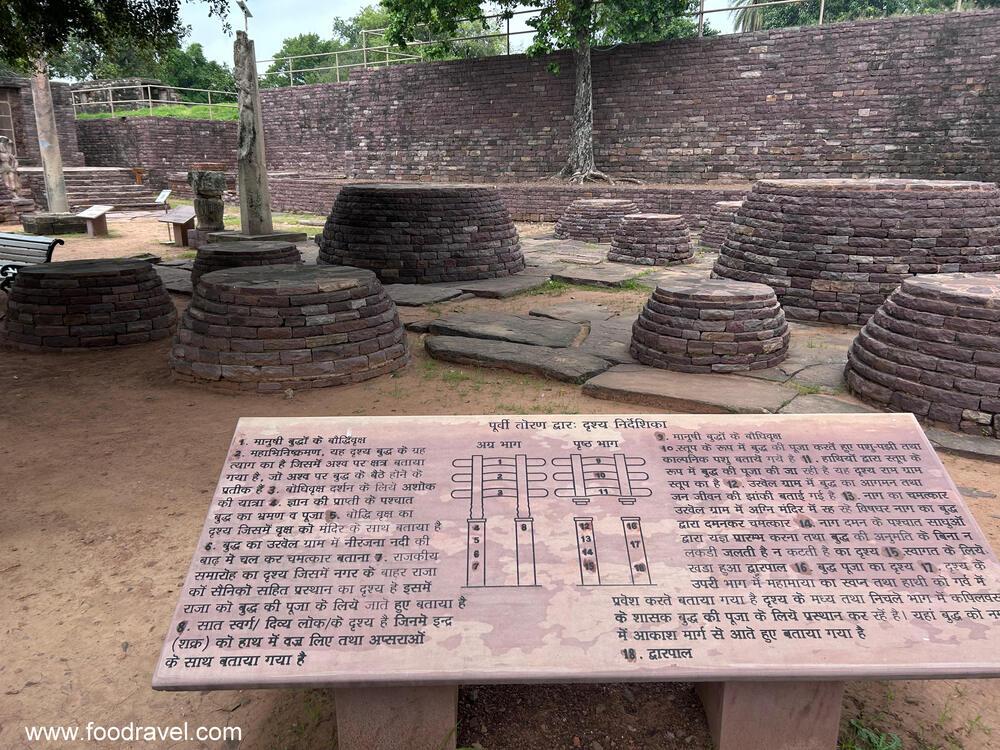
(508, 35)
(291, 81)
(822, 10)
(336, 64)
(111, 100)
(149, 97)
(211, 109)
(701, 17)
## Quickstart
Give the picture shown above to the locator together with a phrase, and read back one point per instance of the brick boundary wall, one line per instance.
(17, 93)
(159, 144)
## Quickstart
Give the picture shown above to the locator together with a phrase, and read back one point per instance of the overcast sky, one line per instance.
(275, 20)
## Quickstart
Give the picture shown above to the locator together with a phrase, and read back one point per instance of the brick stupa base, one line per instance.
(270, 328)
(593, 219)
(422, 234)
(722, 216)
(218, 256)
(710, 326)
(651, 240)
(835, 249)
(83, 304)
(933, 349)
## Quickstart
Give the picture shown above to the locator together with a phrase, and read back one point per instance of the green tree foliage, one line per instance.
(30, 30)
(575, 25)
(752, 18)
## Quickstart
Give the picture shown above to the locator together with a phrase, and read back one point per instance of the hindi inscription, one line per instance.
(378, 550)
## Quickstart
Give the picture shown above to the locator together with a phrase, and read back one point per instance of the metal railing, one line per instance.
(105, 99)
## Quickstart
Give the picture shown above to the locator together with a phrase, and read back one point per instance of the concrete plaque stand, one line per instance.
(772, 715)
(418, 718)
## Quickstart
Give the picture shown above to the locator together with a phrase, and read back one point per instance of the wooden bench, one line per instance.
(97, 220)
(768, 561)
(18, 250)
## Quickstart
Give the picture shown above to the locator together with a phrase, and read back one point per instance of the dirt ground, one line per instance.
(107, 468)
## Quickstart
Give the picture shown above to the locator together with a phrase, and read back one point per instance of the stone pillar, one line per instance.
(255, 198)
(208, 187)
(48, 140)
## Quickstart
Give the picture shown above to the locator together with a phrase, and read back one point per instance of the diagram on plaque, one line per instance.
(508, 483)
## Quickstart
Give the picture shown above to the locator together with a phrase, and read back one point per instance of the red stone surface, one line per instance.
(372, 551)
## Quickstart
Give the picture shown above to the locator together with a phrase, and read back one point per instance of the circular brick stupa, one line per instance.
(269, 328)
(720, 218)
(933, 349)
(651, 240)
(711, 326)
(833, 250)
(593, 219)
(421, 234)
(218, 256)
(83, 304)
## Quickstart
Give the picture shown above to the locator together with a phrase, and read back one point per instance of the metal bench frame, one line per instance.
(18, 250)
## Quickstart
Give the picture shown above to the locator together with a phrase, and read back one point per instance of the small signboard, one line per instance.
(94, 212)
(162, 197)
(179, 215)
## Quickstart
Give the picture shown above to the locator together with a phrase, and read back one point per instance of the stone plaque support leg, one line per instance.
(772, 715)
(417, 718)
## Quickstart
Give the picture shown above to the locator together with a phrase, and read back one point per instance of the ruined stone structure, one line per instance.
(651, 240)
(272, 328)
(208, 186)
(933, 349)
(833, 250)
(47, 224)
(593, 219)
(420, 234)
(82, 304)
(717, 227)
(710, 326)
(217, 256)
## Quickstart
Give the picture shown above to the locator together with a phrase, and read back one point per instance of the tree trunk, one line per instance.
(580, 165)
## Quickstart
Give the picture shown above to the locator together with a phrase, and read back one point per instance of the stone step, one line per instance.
(567, 365)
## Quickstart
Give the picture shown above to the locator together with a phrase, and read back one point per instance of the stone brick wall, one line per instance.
(908, 97)
(160, 144)
(914, 97)
(17, 93)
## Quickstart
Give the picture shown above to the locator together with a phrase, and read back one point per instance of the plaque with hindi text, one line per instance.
(350, 551)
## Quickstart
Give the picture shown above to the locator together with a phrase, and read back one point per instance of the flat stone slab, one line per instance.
(177, 280)
(567, 365)
(230, 235)
(519, 329)
(504, 286)
(970, 446)
(575, 312)
(687, 392)
(403, 551)
(610, 275)
(417, 295)
(609, 339)
(828, 376)
(819, 404)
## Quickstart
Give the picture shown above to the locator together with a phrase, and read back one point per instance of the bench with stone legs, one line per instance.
(394, 559)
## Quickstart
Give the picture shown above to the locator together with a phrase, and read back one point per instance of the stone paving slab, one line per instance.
(567, 365)
(519, 329)
(820, 404)
(575, 312)
(970, 446)
(609, 339)
(417, 295)
(609, 275)
(504, 286)
(176, 280)
(685, 392)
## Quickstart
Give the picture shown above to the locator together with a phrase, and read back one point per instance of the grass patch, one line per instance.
(178, 111)
(862, 737)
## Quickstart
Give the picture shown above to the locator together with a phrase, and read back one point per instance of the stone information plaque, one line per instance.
(400, 551)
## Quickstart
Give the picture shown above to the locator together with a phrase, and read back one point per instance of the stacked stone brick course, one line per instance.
(82, 304)
(933, 349)
(651, 240)
(719, 220)
(711, 326)
(421, 234)
(833, 250)
(593, 219)
(270, 328)
(218, 256)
